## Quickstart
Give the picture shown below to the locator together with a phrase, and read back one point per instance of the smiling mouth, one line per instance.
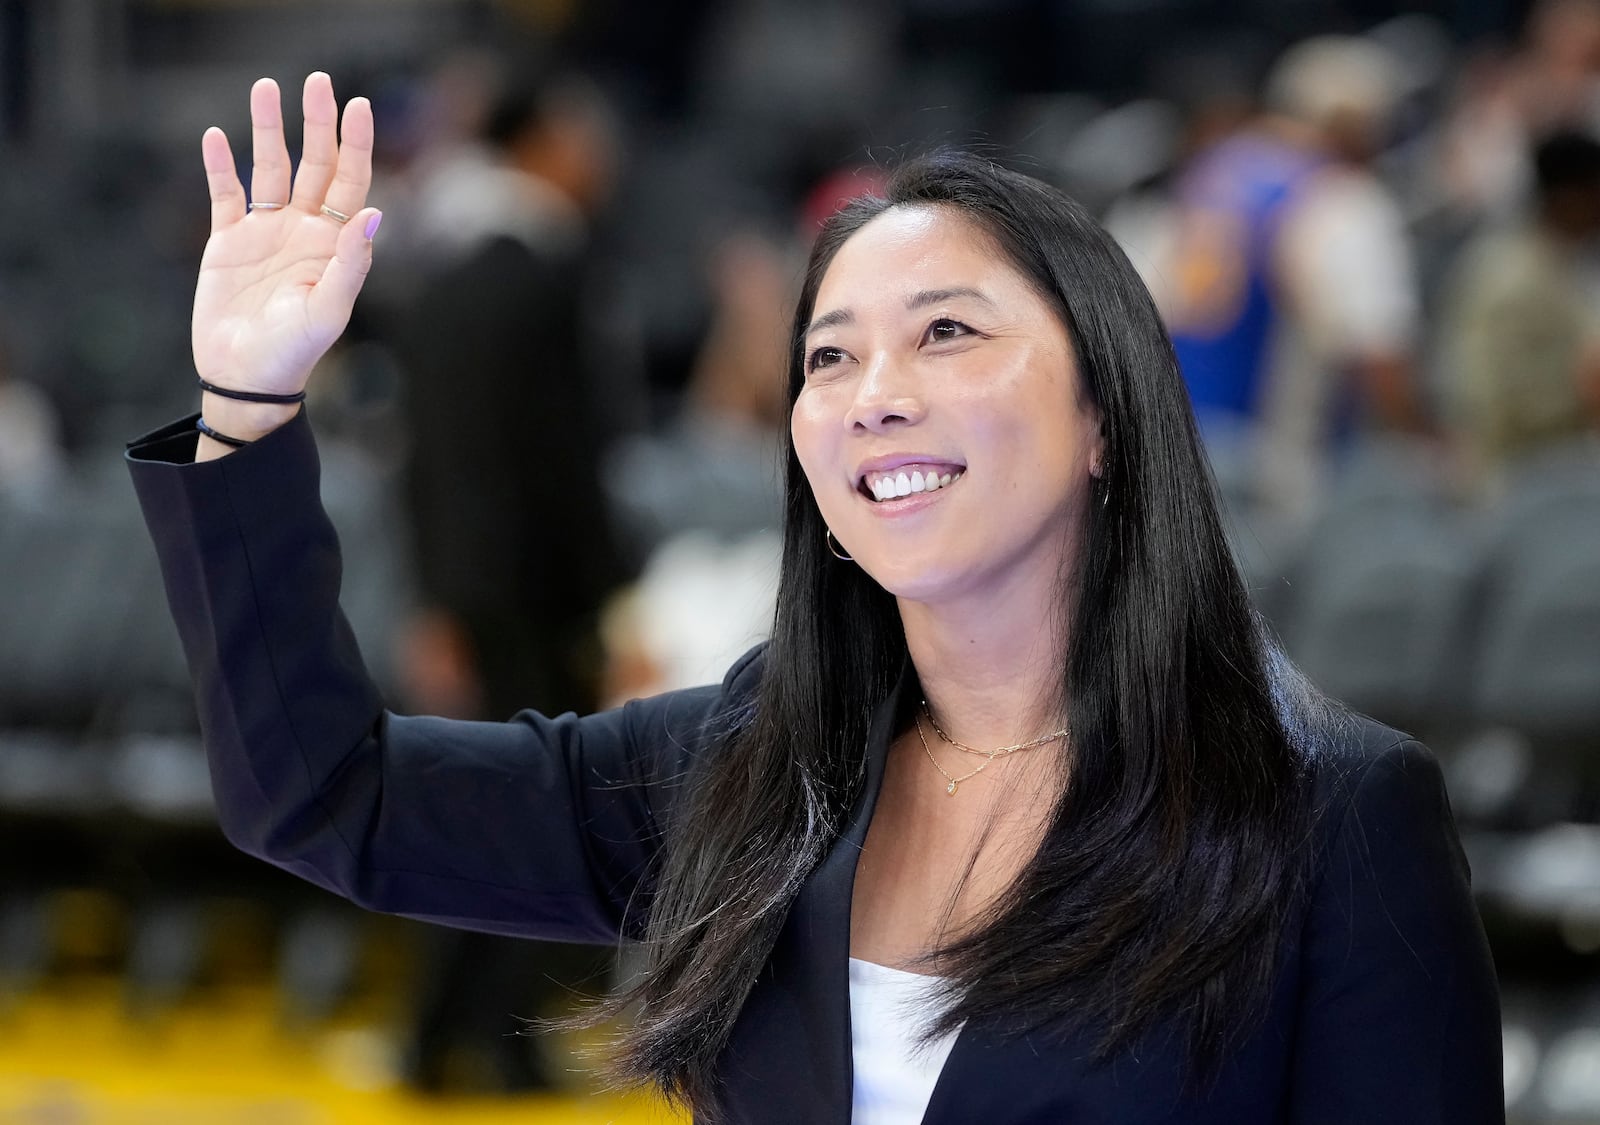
(908, 480)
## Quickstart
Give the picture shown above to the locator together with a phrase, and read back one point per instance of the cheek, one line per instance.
(810, 431)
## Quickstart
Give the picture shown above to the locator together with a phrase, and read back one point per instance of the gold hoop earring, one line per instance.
(834, 547)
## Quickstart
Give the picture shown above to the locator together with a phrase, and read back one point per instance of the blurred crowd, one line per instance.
(551, 434)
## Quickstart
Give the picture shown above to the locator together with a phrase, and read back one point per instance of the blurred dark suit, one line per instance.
(511, 530)
(513, 546)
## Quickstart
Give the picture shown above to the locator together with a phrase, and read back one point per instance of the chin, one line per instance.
(908, 580)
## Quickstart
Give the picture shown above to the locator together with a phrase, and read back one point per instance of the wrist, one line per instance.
(244, 421)
(247, 421)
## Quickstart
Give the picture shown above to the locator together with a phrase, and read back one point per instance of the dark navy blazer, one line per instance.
(1384, 1008)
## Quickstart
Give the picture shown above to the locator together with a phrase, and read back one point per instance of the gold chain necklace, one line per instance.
(988, 756)
(999, 751)
(954, 781)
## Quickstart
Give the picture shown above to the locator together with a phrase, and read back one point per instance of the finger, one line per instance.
(348, 191)
(269, 173)
(222, 177)
(335, 294)
(320, 150)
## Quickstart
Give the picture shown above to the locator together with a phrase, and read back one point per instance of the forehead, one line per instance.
(912, 248)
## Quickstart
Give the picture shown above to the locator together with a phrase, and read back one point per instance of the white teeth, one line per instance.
(898, 485)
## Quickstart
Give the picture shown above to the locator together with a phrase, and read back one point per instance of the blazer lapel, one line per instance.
(789, 1056)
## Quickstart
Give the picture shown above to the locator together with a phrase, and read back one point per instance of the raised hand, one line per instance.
(281, 274)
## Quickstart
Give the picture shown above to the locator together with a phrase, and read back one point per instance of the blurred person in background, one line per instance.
(1210, 98)
(505, 454)
(515, 148)
(701, 502)
(714, 465)
(499, 386)
(1290, 290)
(1505, 101)
(32, 461)
(1520, 332)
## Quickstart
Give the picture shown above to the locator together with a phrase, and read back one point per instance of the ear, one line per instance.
(1097, 445)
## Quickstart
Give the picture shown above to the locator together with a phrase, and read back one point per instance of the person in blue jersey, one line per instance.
(1019, 817)
(1289, 290)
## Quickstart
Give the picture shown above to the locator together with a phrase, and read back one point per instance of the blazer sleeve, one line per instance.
(539, 827)
(1400, 1018)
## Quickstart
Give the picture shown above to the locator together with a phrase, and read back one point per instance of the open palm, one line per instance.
(277, 283)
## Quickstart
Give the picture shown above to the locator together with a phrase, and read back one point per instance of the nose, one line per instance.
(886, 397)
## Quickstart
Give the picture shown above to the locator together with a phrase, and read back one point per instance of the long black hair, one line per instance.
(1176, 851)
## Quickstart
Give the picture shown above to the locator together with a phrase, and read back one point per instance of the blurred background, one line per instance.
(1372, 231)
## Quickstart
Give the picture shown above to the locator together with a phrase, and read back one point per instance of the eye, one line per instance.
(822, 357)
(944, 330)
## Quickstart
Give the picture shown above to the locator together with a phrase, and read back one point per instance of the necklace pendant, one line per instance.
(950, 789)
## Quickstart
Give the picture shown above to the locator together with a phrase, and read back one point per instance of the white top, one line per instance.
(894, 1073)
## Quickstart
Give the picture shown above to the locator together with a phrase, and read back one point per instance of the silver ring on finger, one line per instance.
(337, 216)
(268, 206)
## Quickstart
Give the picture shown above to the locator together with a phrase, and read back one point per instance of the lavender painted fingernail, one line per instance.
(372, 224)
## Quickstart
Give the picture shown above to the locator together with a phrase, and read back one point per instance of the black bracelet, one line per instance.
(252, 396)
(200, 424)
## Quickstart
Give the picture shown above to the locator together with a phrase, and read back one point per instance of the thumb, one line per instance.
(335, 295)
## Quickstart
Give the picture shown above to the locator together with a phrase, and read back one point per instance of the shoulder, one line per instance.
(1385, 848)
(1345, 747)
(668, 735)
(1343, 220)
(1372, 773)
(681, 724)
(1339, 194)
(745, 673)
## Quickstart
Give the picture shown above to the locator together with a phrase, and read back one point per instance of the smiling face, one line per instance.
(942, 424)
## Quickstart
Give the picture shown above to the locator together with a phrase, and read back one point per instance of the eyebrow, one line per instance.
(920, 300)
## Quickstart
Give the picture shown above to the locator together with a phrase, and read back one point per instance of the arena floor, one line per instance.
(70, 1056)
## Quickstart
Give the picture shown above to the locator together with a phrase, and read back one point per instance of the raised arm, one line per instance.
(540, 826)
(282, 268)
(544, 827)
